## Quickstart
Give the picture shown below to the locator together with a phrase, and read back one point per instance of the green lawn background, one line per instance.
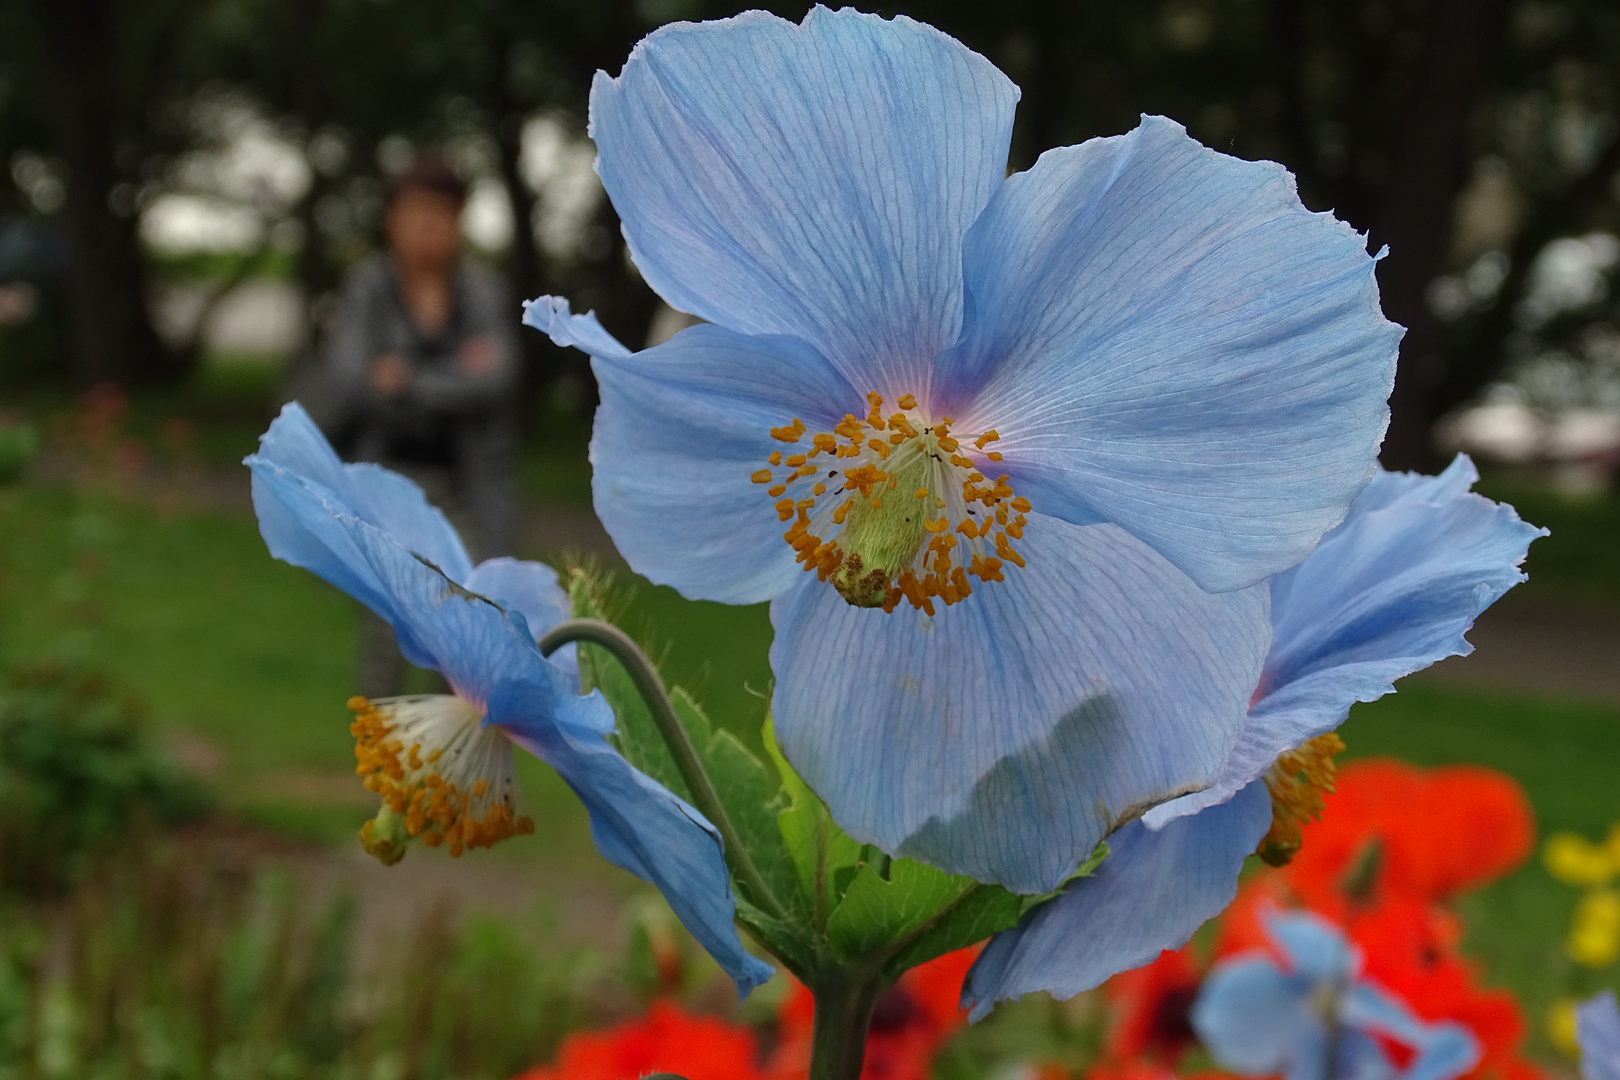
(223, 643)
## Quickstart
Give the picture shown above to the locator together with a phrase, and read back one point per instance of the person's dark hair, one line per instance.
(430, 172)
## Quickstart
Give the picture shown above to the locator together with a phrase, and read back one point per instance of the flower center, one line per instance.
(1297, 782)
(443, 776)
(898, 510)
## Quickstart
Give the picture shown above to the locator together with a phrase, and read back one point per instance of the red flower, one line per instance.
(665, 1040)
(910, 1023)
(1151, 1010)
(1430, 834)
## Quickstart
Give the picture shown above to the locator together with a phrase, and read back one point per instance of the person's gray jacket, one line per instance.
(468, 418)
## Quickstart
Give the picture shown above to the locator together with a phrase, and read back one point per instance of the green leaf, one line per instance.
(638, 736)
(977, 914)
(817, 846)
(751, 796)
(875, 913)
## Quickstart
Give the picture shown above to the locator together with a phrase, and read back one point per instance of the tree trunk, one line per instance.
(524, 268)
(111, 334)
(1429, 168)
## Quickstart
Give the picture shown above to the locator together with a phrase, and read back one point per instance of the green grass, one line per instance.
(226, 644)
(1578, 561)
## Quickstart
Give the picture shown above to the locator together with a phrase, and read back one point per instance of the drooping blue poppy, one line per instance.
(1597, 1029)
(1310, 1017)
(1390, 591)
(443, 763)
(1011, 457)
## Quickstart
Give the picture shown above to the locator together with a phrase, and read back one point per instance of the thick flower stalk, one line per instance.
(442, 764)
(1012, 457)
(1303, 1011)
(1390, 591)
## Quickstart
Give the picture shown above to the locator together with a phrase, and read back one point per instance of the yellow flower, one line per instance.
(1560, 1026)
(1594, 935)
(1574, 860)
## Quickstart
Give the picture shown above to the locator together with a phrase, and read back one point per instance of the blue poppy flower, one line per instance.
(1390, 591)
(1313, 1019)
(443, 763)
(1011, 457)
(1597, 1029)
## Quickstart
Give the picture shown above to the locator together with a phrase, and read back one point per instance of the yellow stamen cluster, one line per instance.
(1298, 783)
(898, 510)
(441, 776)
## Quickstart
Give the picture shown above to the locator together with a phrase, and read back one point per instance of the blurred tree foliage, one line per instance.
(1465, 134)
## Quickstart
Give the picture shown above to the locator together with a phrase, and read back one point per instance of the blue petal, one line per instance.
(637, 823)
(1150, 894)
(468, 638)
(680, 430)
(812, 180)
(1316, 949)
(1360, 1057)
(550, 316)
(1166, 339)
(1253, 1019)
(1597, 1028)
(1444, 1050)
(385, 499)
(489, 657)
(1387, 593)
(531, 589)
(1005, 736)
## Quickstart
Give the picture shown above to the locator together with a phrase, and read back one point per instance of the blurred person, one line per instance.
(417, 371)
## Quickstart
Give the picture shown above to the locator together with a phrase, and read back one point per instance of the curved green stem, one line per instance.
(651, 688)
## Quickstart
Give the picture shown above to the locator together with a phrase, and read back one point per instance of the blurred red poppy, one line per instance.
(1390, 828)
(667, 1039)
(1151, 1010)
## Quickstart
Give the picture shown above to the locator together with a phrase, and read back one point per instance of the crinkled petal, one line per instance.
(385, 499)
(680, 431)
(1253, 1019)
(306, 525)
(1444, 1050)
(1006, 735)
(1389, 592)
(550, 316)
(532, 589)
(636, 822)
(1597, 1028)
(1150, 894)
(813, 180)
(1166, 339)
(1316, 949)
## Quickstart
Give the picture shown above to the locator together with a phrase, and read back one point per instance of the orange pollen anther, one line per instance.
(879, 553)
(461, 793)
(1298, 782)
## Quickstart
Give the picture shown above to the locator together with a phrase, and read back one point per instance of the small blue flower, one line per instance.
(1390, 591)
(1597, 1029)
(1314, 1019)
(443, 763)
(1011, 457)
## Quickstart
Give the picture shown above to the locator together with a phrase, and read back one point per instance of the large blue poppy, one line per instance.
(1391, 590)
(443, 763)
(1011, 457)
(1313, 1018)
